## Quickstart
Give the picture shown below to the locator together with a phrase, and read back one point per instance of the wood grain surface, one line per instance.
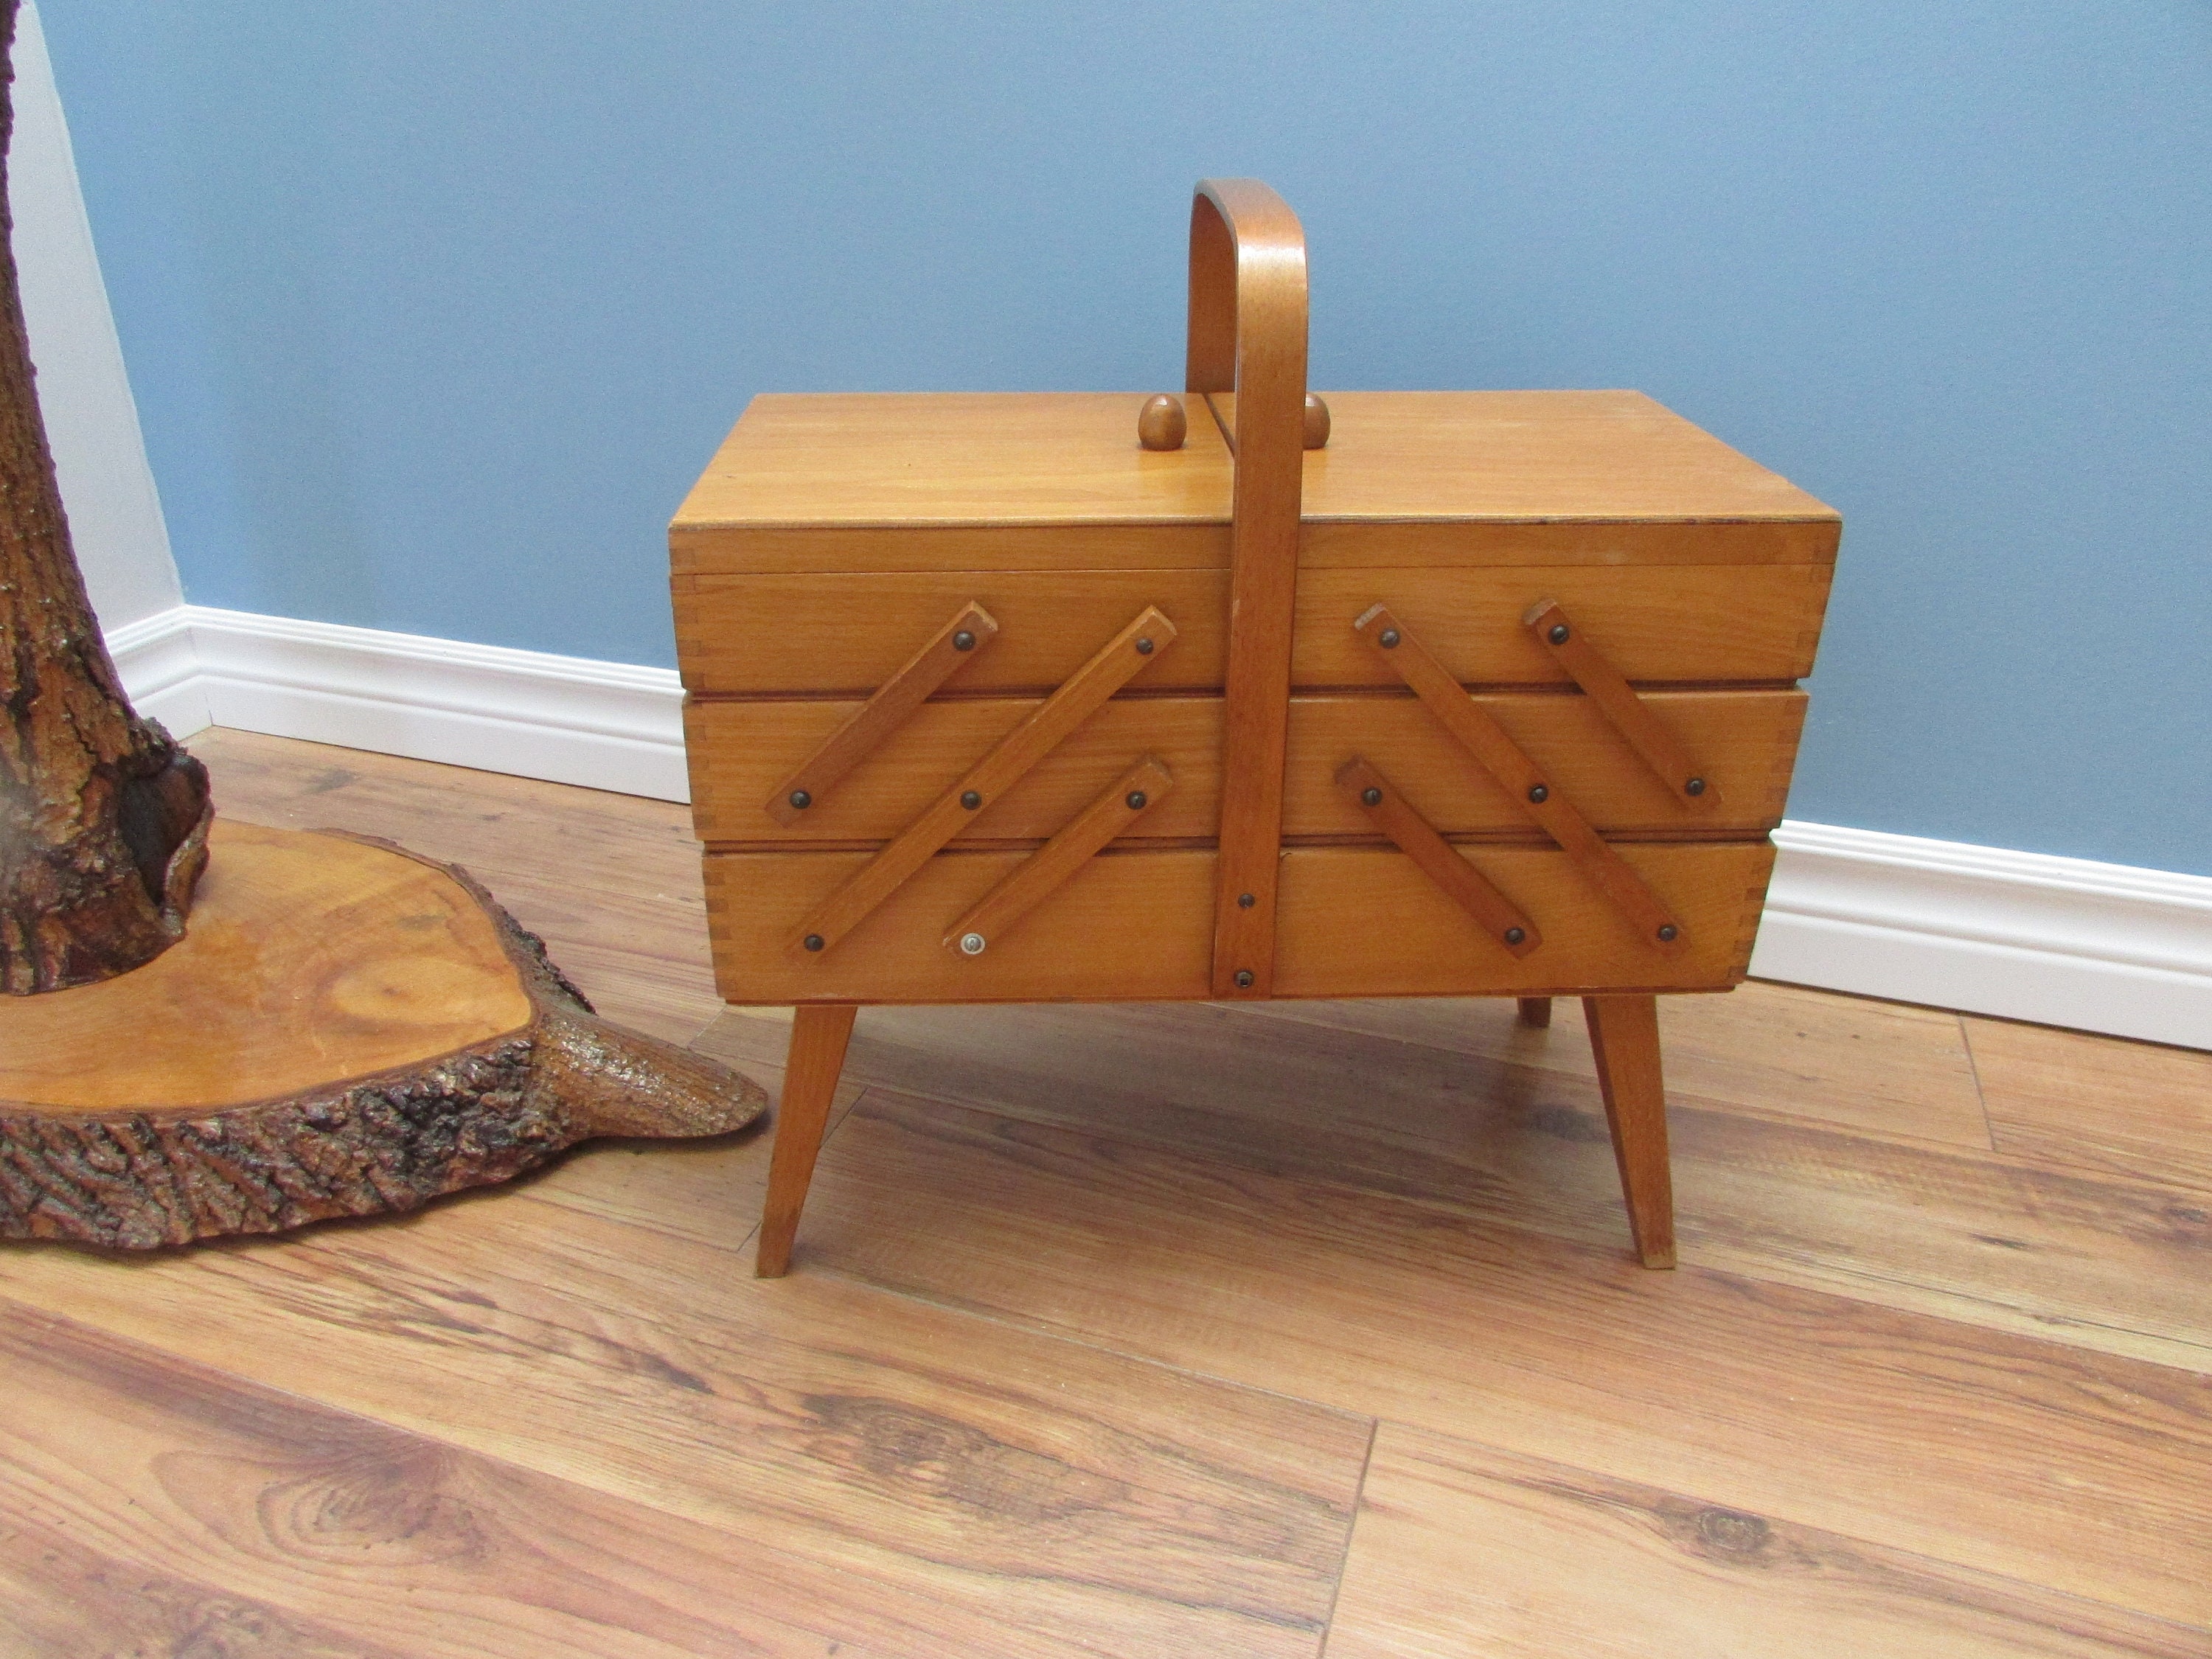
(310, 960)
(1041, 730)
(1355, 921)
(1034, 1483)
(1700, 620)
(1097, 1310)
(2076, 1469)
(1483, 457)
(1248, 335)
(988, 459)
(1465, 1549)
(738, 750)
(2061, 1098)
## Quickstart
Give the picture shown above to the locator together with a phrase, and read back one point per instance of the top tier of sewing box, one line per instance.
(1003, 549)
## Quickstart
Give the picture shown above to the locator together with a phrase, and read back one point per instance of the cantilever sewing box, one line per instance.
(1017, 697)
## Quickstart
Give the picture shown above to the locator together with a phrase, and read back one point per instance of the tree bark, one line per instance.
(103, 817)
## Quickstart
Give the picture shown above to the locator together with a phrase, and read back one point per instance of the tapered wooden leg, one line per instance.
(1624, 1032)
(1536, 1010)
(818, 1037)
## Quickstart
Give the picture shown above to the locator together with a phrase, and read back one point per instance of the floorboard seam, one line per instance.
(1070, 1334)
(1343, 1561)
(1902, 1551)
(1974, 1070)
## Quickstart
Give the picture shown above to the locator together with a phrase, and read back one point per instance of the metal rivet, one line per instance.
(801, 799)
(1244, 979)
(1666, 934)
(1540, 794)
(971, 945)
(1135, 800)
(1515, 935)
(1373, 797)
(1694, 787)
(1559, 634)
(813, 941)
(1390, 640)
(1245, 901)
(971, 801)
(963, 640)
(1144, 648)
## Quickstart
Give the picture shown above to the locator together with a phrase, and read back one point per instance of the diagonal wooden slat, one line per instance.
(1495, 913)
(1118, 662)
(1608, 690)
(1479, 732)
(951, 649)
(1135, 792)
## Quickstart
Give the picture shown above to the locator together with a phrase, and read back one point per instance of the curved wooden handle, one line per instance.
(1248, 335)
(1248, 317)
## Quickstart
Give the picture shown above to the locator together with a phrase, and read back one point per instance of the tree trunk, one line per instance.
(103, 819)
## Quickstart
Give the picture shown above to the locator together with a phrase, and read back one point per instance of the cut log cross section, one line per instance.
(346, 1028)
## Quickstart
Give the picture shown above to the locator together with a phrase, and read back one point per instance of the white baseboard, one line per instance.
(2101, 947)
(570, 720)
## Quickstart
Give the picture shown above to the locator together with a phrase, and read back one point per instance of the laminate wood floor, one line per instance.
(1169, 1330)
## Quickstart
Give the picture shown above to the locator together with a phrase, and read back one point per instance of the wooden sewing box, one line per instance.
(1375, 695)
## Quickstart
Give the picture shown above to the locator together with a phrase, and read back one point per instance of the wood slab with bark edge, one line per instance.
(347, 1029)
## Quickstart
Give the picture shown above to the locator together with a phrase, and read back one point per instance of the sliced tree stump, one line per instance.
(346, 1030)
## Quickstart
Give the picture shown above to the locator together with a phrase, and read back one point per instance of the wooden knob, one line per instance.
(1316, 428)
(1161, 424)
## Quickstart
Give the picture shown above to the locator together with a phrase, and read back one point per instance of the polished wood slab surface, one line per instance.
(1158, 1330)
(307, 962)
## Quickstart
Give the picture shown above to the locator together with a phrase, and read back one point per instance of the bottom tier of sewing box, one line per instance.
(1138, 925)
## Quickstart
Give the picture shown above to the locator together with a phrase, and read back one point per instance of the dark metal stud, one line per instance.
(1373, 797)
(963, 640)
(1389, 640)
(1558, 635)
(1144, 648)
(971, 801)
(1666, 934)
(1244, 979)
(1694, 787)
(1540, 794)
(801, 799)
(813, 941)
(1245, 901)
(1515, 935)
(1135, 800)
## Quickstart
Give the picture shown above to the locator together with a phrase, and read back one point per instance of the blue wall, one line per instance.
(435, 307)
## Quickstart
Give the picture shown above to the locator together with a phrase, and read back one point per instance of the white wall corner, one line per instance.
(92, 423)
(159, 664)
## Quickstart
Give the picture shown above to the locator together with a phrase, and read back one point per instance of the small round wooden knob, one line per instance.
(1316, 428)
(1161, 424)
